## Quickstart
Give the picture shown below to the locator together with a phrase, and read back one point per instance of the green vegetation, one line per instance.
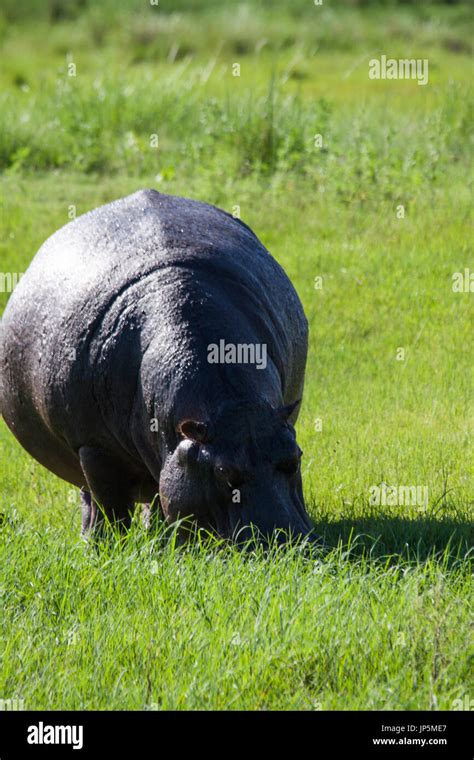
(381, 620)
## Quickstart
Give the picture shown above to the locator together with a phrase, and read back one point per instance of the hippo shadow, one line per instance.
(419, 539)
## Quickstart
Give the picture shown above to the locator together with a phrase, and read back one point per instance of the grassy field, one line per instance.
(379, 208)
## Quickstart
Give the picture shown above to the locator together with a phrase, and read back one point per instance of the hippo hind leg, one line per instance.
(109, 487)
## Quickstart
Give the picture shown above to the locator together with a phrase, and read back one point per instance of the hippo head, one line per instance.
(238, 474)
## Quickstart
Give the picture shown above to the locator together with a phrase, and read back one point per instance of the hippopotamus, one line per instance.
(154, 352)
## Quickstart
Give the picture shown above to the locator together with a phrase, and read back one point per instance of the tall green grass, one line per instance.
(108, 125)
(144, 625)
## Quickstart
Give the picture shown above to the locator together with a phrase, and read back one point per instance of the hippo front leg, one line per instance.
(109, 487)
(146, 516)
(152, 512)
(89, 512)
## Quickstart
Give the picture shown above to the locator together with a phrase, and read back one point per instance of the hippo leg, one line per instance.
(152, 513)
(109, 486)
(89, 512)
(146, 516)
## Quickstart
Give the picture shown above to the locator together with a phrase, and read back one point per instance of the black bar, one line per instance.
(143, 734)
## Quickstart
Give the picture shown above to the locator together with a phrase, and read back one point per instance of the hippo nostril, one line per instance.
(188, 452)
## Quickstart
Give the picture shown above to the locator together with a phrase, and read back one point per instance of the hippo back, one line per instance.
(77, 326)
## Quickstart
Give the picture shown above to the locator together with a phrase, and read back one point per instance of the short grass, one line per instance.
(381, 619)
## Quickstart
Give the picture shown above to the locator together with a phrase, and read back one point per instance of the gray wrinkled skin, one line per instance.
(105, 377)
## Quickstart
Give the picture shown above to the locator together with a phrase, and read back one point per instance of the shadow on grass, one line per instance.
(401, 538)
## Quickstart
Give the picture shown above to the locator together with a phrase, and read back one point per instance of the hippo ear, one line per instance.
(194, 430)
(285, 412)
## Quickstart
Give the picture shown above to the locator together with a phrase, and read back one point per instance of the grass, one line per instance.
(381, 619)
(147, 626)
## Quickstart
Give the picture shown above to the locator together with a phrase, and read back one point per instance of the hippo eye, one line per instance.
(231, 477)
(289, 466)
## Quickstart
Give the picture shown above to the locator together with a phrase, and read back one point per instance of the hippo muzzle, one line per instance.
(243, 481)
